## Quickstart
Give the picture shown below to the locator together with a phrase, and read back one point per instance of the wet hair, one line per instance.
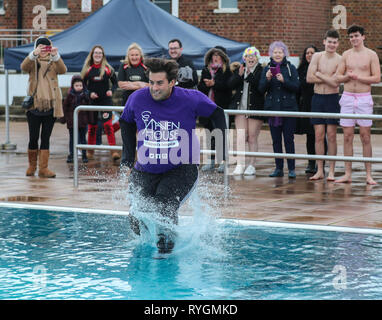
(176, 40)
(332, 34)
(278, 44)
(354, 28)
(170, 67)
(303, 61)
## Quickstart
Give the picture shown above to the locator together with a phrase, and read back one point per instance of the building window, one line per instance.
(59, 7)
(164, 4)
(227, 6)
(1, 6)
(59, 4)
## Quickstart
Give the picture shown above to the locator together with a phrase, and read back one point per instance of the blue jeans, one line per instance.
(286, 130)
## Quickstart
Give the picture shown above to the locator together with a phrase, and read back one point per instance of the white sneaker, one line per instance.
(238, 170)
(250, 171)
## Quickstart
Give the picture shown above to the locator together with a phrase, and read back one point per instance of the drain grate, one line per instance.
(24, 199)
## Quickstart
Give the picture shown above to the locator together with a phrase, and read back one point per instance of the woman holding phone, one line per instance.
(43, 65)
(245, 81)
(280, 82)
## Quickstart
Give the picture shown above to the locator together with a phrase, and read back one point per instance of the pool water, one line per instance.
(67, 255)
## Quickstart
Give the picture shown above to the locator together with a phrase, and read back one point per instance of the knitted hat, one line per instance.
(251, 51)
(42, 40)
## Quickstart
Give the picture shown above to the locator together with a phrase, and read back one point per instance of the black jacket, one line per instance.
(221, 89)
(255, 97)
(304, 101)
(192, 83)
(281, 96)
(126, 73)
(94, 83)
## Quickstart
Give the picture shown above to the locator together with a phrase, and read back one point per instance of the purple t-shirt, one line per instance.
(166, 129)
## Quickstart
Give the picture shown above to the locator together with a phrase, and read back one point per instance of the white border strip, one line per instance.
(242, 222)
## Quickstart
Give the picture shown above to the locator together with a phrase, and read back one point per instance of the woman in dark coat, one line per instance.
(245, 81)
(280, 82)
(214, 84)
(304, 100)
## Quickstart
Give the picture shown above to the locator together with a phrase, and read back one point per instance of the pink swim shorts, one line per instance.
(356, 103)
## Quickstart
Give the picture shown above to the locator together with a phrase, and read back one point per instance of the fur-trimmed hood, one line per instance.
(211, 52)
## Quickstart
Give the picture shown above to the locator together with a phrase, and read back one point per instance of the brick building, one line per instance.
(297, 22)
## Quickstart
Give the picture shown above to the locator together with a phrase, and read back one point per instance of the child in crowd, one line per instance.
(78, 95)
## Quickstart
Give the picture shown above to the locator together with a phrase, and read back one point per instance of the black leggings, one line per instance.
(46, 124)
(163, 192)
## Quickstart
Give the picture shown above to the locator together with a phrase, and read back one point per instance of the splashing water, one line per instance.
(199, 234)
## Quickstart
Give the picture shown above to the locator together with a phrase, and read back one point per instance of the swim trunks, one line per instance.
(361, 103)
(325, 103)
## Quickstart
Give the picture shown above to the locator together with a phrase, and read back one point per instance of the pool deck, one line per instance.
(256, 198)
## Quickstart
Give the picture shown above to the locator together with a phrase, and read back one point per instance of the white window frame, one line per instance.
(226, 10)
(54, 10)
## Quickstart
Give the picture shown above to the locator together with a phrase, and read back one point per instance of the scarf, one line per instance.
(214, 67)
(77, 96)
(140, 63)
(276, 121)
(45, 99)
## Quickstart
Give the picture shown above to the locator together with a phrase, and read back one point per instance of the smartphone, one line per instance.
(274, 71)
(47, 49)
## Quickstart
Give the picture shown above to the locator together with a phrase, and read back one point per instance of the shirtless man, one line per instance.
(321, 72)
(358, 69)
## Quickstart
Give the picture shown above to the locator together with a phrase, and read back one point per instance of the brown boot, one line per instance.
(43, 171)
(114, 155)
(90, 154)
(32, 158)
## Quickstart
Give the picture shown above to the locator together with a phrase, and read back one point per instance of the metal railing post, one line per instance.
(7, 145)
(226, 164)
(77, 146)
(75, 140)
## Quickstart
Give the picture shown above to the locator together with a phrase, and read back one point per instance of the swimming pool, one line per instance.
(46, 253)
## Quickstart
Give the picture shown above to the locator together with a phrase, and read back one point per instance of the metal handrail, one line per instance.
(227, 113)
(88, 146)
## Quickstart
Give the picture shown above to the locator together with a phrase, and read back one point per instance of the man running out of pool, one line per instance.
(168, 152)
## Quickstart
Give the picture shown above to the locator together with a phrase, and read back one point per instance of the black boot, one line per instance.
(311, 168)
(165, 243)
(69, 159)
(84, 157)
